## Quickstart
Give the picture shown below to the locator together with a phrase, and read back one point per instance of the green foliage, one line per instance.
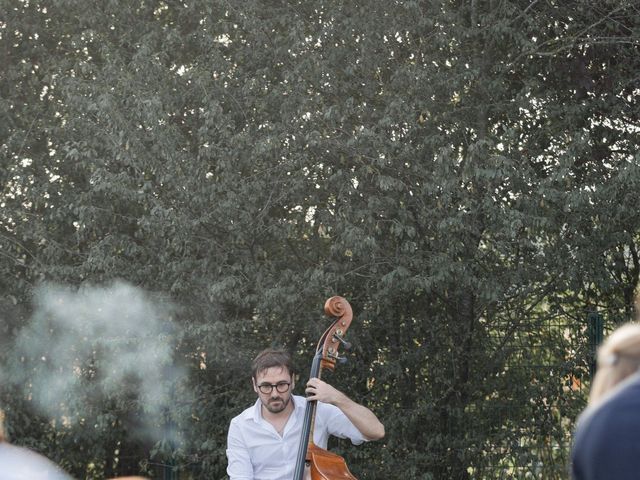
(466, 174)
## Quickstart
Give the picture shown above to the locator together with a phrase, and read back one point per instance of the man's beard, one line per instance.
(280, 404)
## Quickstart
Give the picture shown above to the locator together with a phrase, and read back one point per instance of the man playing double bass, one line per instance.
(263, 441)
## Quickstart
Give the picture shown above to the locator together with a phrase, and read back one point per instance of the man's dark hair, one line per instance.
(271, 358)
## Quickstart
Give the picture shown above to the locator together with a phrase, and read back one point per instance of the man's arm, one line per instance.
(361, 417)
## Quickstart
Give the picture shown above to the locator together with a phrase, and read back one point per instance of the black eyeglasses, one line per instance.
(267, 388)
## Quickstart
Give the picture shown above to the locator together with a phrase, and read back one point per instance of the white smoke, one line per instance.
(94, 346)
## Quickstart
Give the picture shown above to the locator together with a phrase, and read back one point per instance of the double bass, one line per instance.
(324, 465)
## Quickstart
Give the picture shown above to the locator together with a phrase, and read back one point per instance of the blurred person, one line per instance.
(263, 441)
(607, 437)
(18, 463)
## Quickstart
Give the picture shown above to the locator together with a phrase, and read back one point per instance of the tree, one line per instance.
(464, 173)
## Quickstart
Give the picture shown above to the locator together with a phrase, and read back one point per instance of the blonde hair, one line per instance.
(618, 357)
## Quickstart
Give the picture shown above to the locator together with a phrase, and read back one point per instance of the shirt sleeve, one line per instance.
(239, 465)
(339, 425)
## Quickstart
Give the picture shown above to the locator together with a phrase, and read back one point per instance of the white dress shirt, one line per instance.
(255, 451)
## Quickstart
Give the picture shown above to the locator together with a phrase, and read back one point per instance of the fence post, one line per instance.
(595, 332)
(169, 472)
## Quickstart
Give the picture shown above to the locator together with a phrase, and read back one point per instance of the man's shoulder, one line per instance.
(247, 414)
(618, 409)
(607, 432)
(299, 401)
(626, 392)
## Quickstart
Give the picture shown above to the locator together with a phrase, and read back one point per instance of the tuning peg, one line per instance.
(334, 356)
(345, 344)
